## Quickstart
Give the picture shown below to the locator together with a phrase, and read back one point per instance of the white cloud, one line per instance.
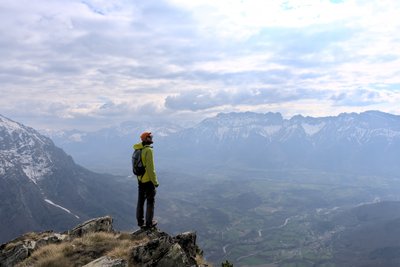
(74, 60)
(239, 19)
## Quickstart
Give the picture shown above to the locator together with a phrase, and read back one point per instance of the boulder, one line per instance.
(102, 224)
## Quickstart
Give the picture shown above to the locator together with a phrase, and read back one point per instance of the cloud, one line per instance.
(105, 59)
(364, 97)
(202, 99)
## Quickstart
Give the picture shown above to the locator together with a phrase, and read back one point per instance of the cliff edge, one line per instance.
(94, 243)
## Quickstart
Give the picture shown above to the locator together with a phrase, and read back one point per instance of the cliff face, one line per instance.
(95, 244)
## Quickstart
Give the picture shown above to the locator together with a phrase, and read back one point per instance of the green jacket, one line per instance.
(148, 162)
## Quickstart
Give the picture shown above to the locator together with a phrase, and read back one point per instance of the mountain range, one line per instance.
(363, 143)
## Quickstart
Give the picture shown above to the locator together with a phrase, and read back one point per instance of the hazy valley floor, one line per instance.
(282, 218)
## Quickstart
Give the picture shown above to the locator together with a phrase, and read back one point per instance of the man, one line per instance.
(147, 183)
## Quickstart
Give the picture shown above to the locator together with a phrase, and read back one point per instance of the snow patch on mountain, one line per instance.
(268, 131)
(9, 125)
(36, 171)
(25, 149)
(388, 133)
(221, 132)
(311, 129)
(60, 207)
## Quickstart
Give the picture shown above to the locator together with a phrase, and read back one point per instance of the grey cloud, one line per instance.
(360, 97)
(66, 49)
(58, 115)
(193, 100)
(110, 109)
(201, 100)
(62, 67)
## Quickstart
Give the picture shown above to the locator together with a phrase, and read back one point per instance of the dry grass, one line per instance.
(51, 255)
(83, 250)
(122, 250)
(28, 236)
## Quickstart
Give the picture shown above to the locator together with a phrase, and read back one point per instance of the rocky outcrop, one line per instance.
(164, 250)
(149, 247)
(11, 256)
(102, 224)
(187, 241)
(21, 248)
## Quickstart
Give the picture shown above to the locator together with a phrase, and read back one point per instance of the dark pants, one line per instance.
(146, 192)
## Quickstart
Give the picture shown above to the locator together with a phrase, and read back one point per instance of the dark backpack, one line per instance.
(137, 165)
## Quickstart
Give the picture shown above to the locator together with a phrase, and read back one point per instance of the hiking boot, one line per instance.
(153, 224)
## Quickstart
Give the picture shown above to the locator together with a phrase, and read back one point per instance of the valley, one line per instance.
(287, 218)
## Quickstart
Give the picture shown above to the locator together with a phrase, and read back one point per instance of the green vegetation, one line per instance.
(226, 264)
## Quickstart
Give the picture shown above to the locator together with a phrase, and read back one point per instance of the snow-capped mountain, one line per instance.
(350, 142)
(24, 149)
(272, 126)
(42, 188)
(362, 143)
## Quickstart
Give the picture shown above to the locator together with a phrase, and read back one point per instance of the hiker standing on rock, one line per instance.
(143, 168)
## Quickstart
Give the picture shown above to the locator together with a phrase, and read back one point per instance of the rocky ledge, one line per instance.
(95, 244)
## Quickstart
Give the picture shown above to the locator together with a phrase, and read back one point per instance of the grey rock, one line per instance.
(19, 249)
(102, 224)
(175, 257)
(162, 250)
(11, 256)
(151, 252)
(149, 233)
(107, 262)
(187, 241)
(54, 238)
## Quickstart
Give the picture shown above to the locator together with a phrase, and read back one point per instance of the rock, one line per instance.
(13, 255)
(21, 248)
(151, 252)
(140, 234)
(187, 241)
(162, 250)
(175, 257)
(107, 262)
(54, 238)
(102, 224)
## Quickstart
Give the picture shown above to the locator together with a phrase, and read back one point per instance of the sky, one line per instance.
(91, 64)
